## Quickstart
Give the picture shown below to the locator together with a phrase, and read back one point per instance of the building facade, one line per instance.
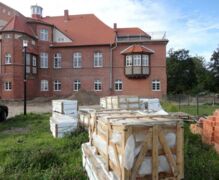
(69, 53)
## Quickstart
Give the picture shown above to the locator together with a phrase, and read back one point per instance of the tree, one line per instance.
(180, 72)
(214, 68)
(187, 74)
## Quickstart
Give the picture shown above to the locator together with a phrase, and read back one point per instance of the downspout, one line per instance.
(111, 64)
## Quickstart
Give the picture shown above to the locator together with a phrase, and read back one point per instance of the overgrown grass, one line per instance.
(201, 160)
(28, 150)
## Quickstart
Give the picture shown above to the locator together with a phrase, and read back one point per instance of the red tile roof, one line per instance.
(84, 29)
(19, 24)
(137, 49)
(131, 32)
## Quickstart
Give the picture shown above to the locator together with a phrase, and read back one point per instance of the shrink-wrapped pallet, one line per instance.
(65, 107)
(63, 125)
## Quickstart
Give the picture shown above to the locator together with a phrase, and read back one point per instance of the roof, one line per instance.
(131, 32)
(19, 24)
(137, 49)
(84, 29)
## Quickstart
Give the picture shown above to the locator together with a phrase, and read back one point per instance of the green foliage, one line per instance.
(28, 150)
(201, 160)
(187, 74)
(169, 107)
(214, 68)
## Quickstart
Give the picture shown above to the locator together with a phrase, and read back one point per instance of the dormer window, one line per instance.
(44, 35)
(137, 61)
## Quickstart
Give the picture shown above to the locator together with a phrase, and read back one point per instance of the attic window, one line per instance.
(44, 34)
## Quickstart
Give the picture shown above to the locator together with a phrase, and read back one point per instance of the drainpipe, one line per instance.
(111, 64)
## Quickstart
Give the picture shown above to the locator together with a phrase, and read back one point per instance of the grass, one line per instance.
(192, 109)
(28, 150)
(201, 160)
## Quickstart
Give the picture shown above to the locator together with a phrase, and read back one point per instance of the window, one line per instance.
(156, 85)
(129, 60)
(44, 34)
(118, 85)
(34, 64)
(8, 36)
(44, 85)
(145, 60)
(137, 60)
(43, 60)
(77, 60)
(8, 86)
(77, 85)
(28, 63)
(97, 85)
(98, 59)
(57, 85)
(57, 60)
(8, 58)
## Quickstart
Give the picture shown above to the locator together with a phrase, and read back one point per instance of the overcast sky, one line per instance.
(189, 24)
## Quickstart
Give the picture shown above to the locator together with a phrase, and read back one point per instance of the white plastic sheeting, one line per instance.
(61, 127)
(151, 107)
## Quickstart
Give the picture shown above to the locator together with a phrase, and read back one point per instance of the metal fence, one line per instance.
(182, 100)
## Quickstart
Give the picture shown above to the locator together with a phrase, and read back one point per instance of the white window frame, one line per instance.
(118, 85)
(57, 85)
(77, 85)
(128, 60)
(145, 60)
(44, 85)
(98, 59)
(156, 85)
(8, 86)
(44, 34)
(8, 58)
(137, 60)
(77, 60)
(43, 60)
(97, 85)
(57, 60)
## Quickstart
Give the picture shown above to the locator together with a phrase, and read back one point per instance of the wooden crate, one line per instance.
(120, 102)
(63, 106)
(62, 126)
(111, 136)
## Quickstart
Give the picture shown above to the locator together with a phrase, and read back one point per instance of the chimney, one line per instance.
(115, 26)
(66, 15)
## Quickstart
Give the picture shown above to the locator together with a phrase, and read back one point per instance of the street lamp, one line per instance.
(25, 44)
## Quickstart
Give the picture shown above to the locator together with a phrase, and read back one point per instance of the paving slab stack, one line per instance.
(126, 144)
(64, 119)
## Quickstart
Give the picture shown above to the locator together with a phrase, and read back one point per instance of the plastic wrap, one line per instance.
(129, 152)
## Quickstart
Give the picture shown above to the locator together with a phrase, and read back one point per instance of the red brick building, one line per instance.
(72, 52)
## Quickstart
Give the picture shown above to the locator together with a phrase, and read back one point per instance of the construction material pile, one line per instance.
(125, 144)
(210, 133)
(64, 118)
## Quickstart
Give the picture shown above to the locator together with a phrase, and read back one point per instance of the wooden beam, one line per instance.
(155, 175)
(169, 155)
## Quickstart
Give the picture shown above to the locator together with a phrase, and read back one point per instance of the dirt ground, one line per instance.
(16, 108)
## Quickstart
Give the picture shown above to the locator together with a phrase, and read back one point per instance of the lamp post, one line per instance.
(25, 44)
